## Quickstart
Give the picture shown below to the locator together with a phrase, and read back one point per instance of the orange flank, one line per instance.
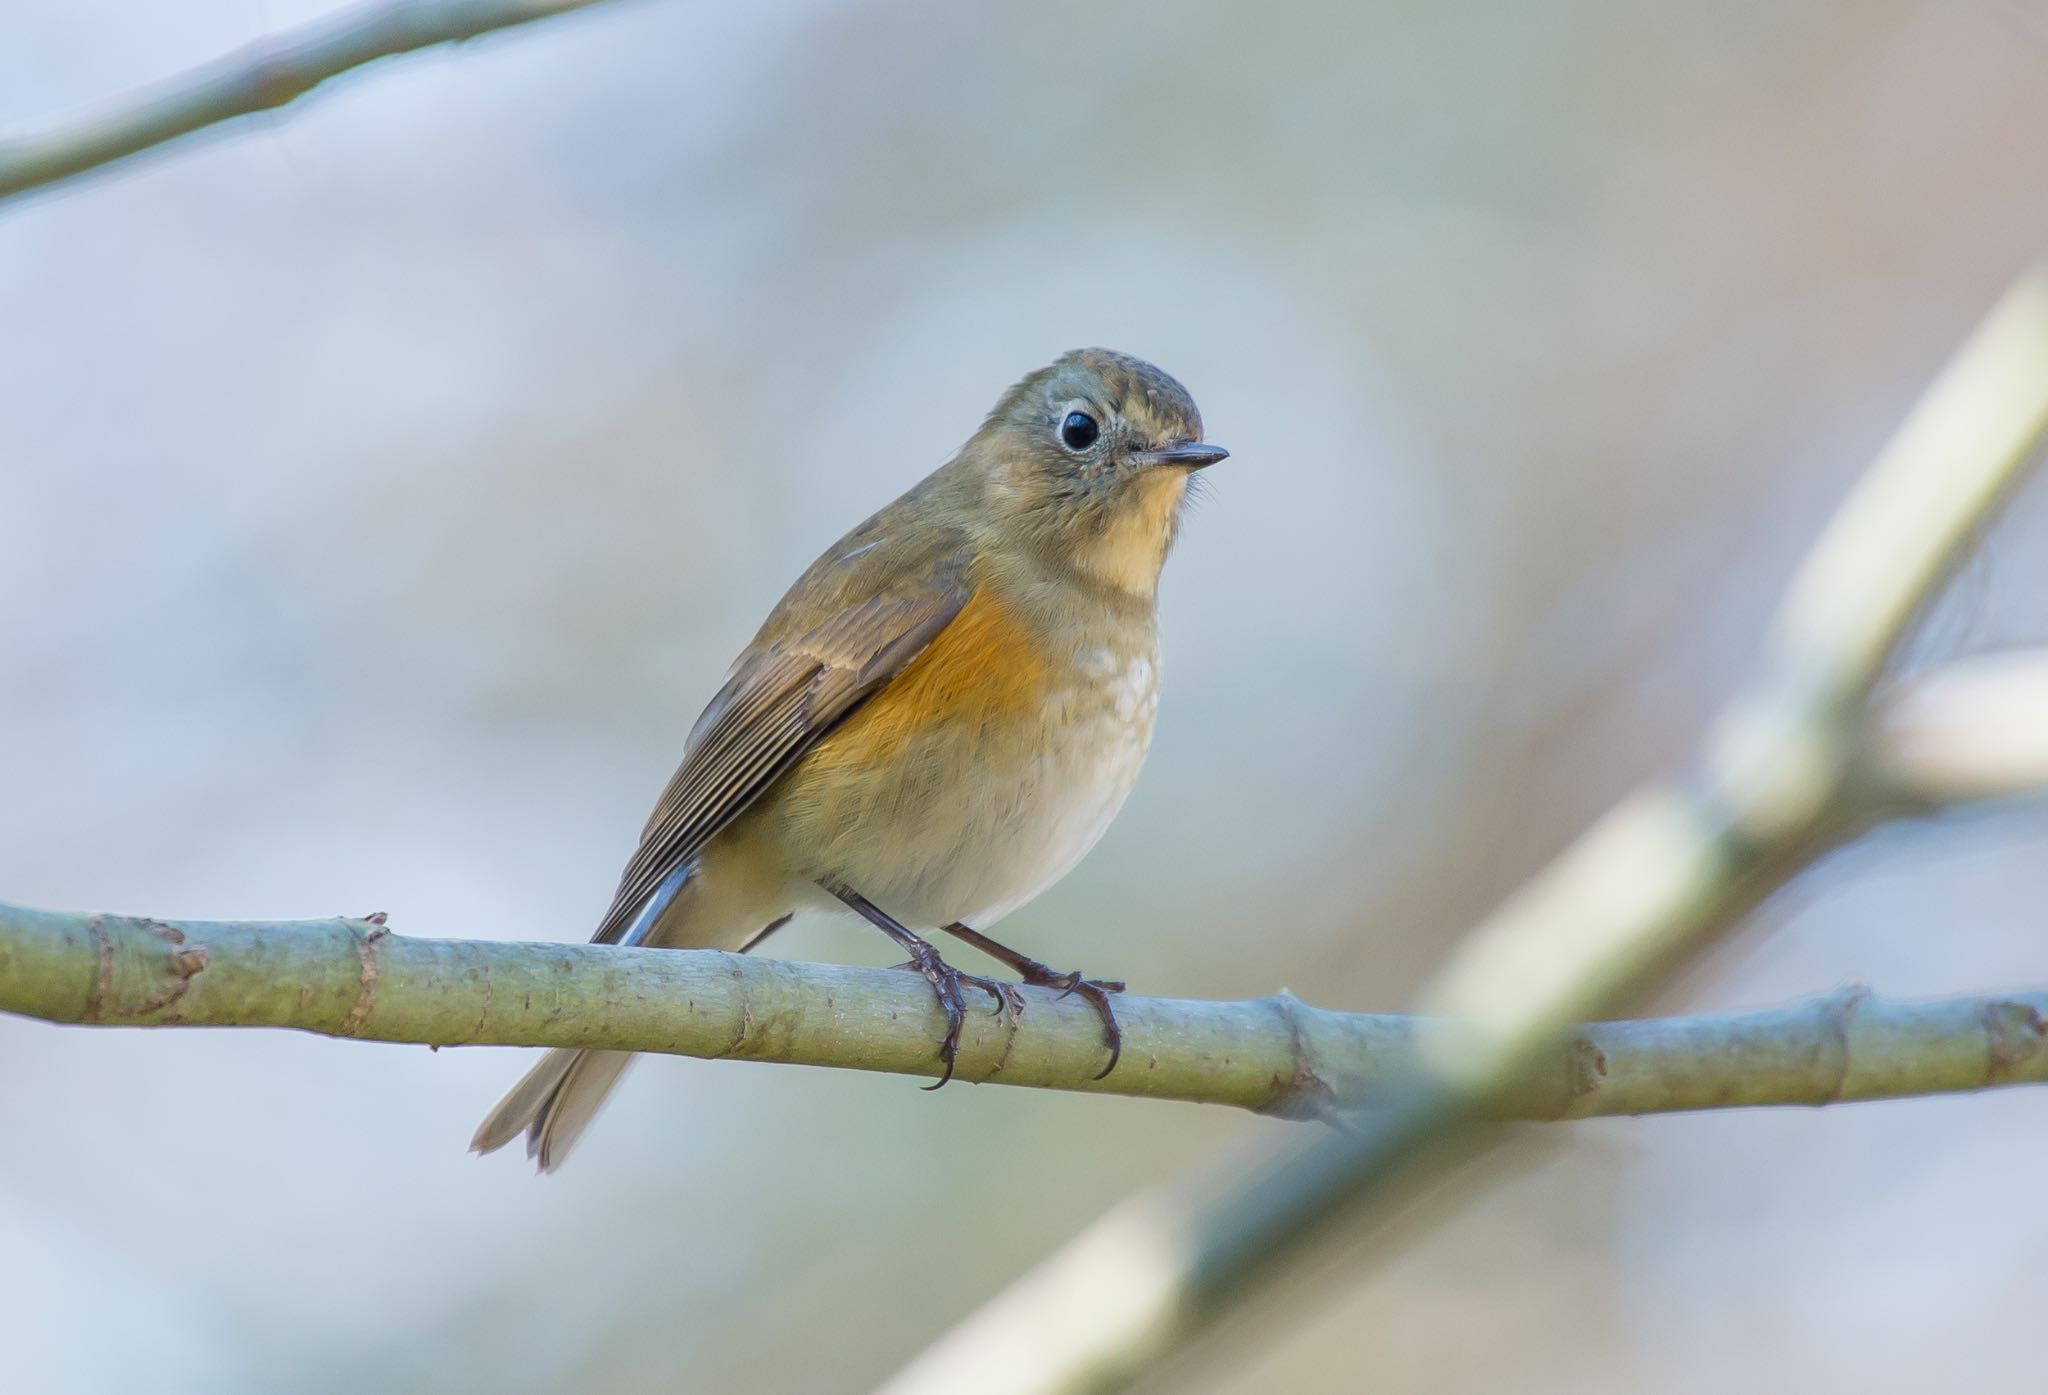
(984, 668)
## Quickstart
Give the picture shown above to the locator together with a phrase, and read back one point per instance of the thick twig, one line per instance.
(1789, 770)
(1278, 1055)
(262, 77)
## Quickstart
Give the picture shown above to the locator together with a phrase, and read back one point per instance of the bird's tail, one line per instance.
(558, 1098)
(553, 1104)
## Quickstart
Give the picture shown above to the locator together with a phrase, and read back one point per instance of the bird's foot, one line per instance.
(1095, 990)
(945, 981)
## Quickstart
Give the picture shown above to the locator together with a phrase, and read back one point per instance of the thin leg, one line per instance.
(1096, 991)
(924, 957)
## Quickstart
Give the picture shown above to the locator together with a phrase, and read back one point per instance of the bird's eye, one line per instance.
(1078, 431)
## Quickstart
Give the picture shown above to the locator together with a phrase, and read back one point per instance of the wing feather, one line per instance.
(792, 687)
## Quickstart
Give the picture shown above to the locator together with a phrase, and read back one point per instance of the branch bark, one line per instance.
(262, 77)
(1277, 1055)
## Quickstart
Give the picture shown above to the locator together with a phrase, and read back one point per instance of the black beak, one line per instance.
(1192, 456)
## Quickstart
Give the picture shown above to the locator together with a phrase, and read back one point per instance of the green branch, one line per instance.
(1277, 1055)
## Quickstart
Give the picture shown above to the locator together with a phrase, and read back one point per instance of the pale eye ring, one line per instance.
(1079, 430)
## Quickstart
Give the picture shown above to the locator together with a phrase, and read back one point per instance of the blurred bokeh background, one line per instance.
(384, 486)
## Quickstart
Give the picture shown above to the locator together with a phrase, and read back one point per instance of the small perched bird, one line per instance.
(938, 721)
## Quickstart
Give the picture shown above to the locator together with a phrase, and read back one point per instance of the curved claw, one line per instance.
(1071, 982)
(1013, 1001)
(943, 977)
(1097, 992)
(945, 981)
(1002, 993)
(1112, 1032)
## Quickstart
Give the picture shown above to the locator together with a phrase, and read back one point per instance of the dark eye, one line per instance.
(1078, 431)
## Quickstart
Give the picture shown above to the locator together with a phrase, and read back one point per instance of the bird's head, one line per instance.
(1087, 462)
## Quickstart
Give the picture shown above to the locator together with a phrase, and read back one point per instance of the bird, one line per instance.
(936, 723)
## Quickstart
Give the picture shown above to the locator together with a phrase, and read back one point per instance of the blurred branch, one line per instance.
(264, 76)
(1793, 767)
(1278, 1055)
(1972, 730)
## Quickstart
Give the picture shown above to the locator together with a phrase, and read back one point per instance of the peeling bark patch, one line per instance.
(185, 961)
(746, 1025)
(1588, 1067)
(97, 996)
(164, 931)
(366, 980)
(2014, 1032)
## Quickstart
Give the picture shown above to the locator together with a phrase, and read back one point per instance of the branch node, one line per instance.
(1307, 1094)
(2014, 1033)
(184, 961)
(366, 980)
(1837, 1010)
(96, 997)
(270, 77)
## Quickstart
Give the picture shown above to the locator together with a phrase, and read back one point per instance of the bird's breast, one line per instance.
(986, 770)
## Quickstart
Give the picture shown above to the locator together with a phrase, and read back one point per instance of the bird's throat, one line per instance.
(1128, 549)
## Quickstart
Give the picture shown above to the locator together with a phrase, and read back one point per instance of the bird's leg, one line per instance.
(1096, 991)
(924, 957)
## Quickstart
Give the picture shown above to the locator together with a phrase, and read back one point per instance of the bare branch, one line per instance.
(262, 77)
(1278, 1055)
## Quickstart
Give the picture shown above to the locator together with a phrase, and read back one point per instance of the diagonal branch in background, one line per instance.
(1972, 731)
(354, 978)
(261, 77)
(1793, 767)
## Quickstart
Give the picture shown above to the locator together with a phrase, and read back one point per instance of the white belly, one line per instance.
(1089, 769)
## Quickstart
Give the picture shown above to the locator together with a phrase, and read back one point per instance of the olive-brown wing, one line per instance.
(787, 693)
